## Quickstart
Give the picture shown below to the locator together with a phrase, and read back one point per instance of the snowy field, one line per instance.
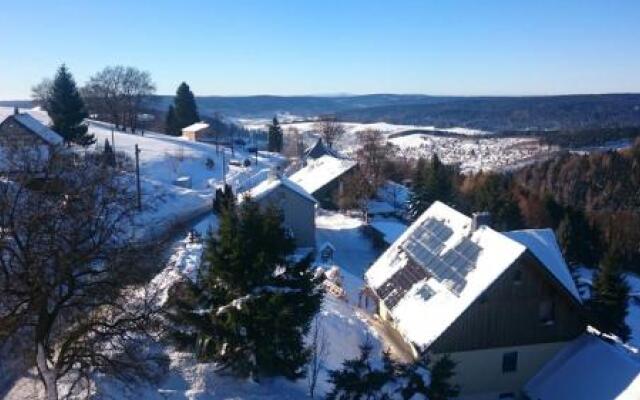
(467, 147)
(164, 159)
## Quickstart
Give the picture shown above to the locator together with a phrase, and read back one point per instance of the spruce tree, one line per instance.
(495, 196)
(109, 156)
(358, 379)
(252, 305)
(170, 123)
(608, 305)
(224, 199)
(432, 181)
(275, 136)
(580, 241)
(440, 387)
(185, 109)
(67, 110)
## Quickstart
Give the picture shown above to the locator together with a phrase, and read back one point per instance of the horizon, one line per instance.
(329, 49)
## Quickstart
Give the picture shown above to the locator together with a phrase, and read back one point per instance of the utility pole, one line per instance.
(224, 167)
(138, 177)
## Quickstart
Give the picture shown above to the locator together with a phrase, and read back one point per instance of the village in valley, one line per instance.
(408, 282)
(163, 238)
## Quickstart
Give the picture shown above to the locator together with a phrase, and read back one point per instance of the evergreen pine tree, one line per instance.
(609, 302)
(413, 380)
(275, 136)
(258, 303)
(579, 239)
(185, 109)
(109, 156)
(419, 199)
(170, 123)
(67, 110)
(358, 379)
(432, 181)
(440, 387)
(224, 199)
(495, 196)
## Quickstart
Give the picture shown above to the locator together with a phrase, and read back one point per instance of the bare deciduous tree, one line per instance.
(69, 270)
(293, 143)
(41, 92)
(119, 94)
(372, 154)
(319, 349)
(330, 130)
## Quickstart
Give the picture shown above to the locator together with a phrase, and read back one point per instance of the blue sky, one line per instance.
(239, 47)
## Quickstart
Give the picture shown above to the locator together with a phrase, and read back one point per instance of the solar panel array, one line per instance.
(394, 289)
(424, 246)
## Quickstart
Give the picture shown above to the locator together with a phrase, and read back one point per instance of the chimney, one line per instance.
(16, 111)
(274, 173)
(479, 219)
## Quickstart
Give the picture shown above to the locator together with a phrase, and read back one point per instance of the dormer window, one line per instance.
(546, 312)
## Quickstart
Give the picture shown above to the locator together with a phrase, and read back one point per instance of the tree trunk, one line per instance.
(47, 376)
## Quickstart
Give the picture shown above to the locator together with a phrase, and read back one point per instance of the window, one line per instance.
(546, 312)
(510, 361)
(517, 277)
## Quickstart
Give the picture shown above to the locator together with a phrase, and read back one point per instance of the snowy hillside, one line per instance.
(463, 146)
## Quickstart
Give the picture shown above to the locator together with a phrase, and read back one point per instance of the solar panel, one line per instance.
(426, 243)
(394, 289)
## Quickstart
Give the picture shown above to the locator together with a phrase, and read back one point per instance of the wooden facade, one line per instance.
(14, 135)
(329, 195)
(515, 311)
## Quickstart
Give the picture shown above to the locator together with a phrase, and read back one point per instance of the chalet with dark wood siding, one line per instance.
(500, 304)
(324, 178)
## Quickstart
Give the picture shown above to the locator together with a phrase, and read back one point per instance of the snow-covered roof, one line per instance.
(267, 186)
(457, 266)
(391, 228)
(588, 368)
(544, 246)
(320, 172)
(37, 127)
(198, 126)
(319, 149)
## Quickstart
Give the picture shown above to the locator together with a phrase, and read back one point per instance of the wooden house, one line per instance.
(324, 178)
(499, 304)
(297, 206)
(25, 142)
(196, 132)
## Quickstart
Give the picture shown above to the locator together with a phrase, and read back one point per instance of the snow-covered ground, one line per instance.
(355, 127)
(344, 325)
(466, 147)
(164, 159)
(354, 252)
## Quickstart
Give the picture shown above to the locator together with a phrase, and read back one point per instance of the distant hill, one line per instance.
(16, 103)
(496, 114)
(500, 114)
(266, 106)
